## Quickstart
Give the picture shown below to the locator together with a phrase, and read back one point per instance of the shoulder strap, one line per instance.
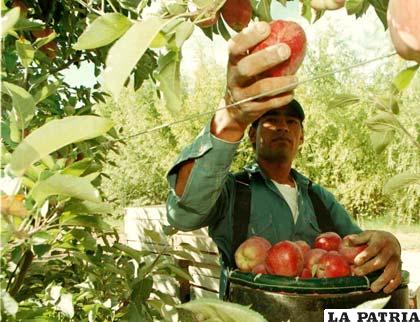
(322, 214)
(241, 210)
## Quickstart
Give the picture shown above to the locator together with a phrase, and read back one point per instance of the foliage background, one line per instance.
(337, 151)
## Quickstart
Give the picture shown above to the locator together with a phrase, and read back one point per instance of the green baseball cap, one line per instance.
(293, 108)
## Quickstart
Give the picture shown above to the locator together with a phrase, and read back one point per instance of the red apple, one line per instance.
(260, 269)
(312, 257)
(303, 246)
(251, 253)
(293, 35)
(333, 264)
(237, 13)
(328, 241)
(306, 273)
(349, 251)
(284, 258)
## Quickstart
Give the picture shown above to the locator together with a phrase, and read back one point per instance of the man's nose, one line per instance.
(281, 124)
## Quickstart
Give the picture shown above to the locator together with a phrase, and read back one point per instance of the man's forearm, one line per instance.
(183, 175)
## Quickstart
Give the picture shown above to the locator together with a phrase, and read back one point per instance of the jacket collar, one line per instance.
(300, 179)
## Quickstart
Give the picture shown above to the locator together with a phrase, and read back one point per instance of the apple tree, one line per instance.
(60, 253)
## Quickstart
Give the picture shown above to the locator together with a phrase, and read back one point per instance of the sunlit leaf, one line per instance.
(343, 100)
(59, 133)
(9, 20)
(403, 79)
(65, 185)
(169, 77)
(103, 30)
(153, 235)
(133, 253)
(66, 305)
(382, 121)
(25, 51)
(380, 140)
(401, 181)
(183, 32)
(23, 103)
(126, 52)
(218, 310)
(178, 271)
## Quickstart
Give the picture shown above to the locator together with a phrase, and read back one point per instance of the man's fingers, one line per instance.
(393, 283)
(376, 262)
(247, 38)
(262, 60)
(264, 106)
(391, 272)
(273, 85)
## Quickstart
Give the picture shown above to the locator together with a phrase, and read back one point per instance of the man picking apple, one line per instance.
(204, 193)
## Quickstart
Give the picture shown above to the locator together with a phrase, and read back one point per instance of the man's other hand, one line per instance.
(383, 252)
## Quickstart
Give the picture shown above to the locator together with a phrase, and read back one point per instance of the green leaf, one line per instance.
(283, 2)
(41, 249)
(401, 181)
(156, 237)
(23, 103)
(307, 10)
(9, 20)
(381, 139)
(382, 122)
(65, 185)
(66, 305)
(88, 207)
(8, 303)
(77, 168)
(223, 30)
(142, 289)
(381, 7)
(219, 310)
(46, 91)
(262, 9)
(179, 271)
(374, 304)
(170, 81)
(183, 32)
(39, 42)
(126, 52)
(25, 24)
(354, 6)
(133, 253)
(167, 299)
(103, 31)
(25, 51)
(59, 133)
(403, 79)
(343, 100)
(84, 221)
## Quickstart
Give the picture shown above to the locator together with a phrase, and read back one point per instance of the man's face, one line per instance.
(277, 137)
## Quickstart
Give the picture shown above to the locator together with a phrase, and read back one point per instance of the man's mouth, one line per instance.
(282, 139)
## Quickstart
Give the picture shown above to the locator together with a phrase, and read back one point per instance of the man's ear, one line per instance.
(252, 134)
(302, 136)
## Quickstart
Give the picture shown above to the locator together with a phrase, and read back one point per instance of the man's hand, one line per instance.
(243, 82)
(383, 251)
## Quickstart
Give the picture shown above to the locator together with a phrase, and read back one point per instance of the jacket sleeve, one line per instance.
(205, 195)
(342, 220)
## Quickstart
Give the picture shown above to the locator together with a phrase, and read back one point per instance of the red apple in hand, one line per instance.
(293, 35)
(284, 258)
(328, 241)
(350, 251)
(333, 264)
(303, 246)
(251, 253)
